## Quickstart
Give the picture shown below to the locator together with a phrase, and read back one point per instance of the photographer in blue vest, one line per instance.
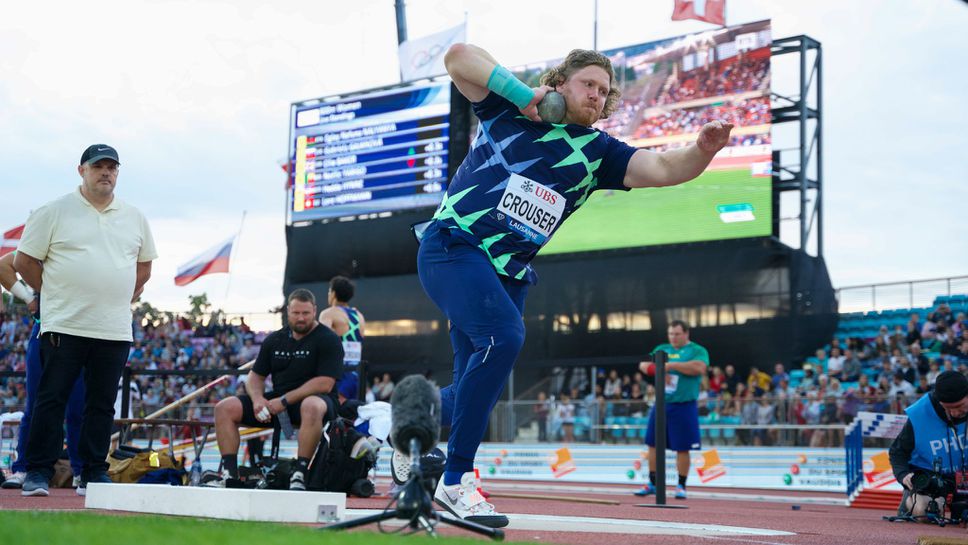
(928, 456)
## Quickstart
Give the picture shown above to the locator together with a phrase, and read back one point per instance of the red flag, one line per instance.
(710, 11)
(11, 239)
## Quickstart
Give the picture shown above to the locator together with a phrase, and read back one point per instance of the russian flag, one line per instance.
(214, 260)
(11, 239)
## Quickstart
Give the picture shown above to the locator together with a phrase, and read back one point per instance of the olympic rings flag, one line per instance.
(424, 57)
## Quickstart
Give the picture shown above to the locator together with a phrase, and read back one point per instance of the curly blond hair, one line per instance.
(575, 61)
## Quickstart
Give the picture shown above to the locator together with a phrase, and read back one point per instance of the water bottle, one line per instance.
(196, 475)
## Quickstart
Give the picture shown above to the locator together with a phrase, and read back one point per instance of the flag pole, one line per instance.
(595, 29)
(228, 285)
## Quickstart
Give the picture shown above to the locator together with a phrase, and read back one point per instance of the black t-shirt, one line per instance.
(292, 362)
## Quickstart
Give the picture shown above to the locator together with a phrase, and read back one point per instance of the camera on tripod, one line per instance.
(931, 483)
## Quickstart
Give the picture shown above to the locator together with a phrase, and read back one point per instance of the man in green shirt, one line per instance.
(686, 365)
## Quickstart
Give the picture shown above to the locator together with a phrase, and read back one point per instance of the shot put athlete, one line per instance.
(522, 178)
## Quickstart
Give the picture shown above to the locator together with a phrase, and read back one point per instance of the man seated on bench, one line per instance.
(305, 361)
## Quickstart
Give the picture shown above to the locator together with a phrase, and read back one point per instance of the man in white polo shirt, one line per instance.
(89, 255)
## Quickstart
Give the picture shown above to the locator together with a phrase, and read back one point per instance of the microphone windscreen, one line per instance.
(415, 412)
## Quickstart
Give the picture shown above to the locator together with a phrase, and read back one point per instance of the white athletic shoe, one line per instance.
(465, 501)
(15, 481)
(297, 481)
(400, 467)
(480, 484)
(212, 479)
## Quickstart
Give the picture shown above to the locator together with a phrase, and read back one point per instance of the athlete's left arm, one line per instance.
(691, 368)
(650, 169)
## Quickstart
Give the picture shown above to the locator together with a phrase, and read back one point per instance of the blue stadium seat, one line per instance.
(619, 421)
(703, 433)
(730, 433)
(715, 433)
(641, 424)
(582, 425)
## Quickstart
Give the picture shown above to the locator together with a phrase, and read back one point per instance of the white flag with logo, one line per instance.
(424, 57)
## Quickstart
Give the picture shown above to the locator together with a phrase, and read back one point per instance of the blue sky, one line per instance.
(195, 96)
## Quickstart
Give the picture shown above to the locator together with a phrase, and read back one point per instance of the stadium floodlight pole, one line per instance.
(595, 29)
(401, 10)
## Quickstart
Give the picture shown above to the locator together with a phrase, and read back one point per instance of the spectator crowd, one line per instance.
(885, 373)
(882, 374)
(167, 342)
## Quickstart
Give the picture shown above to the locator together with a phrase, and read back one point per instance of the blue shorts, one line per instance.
(682, 427)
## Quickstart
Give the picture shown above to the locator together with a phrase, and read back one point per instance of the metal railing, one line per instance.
(795, 421)
(894, 295)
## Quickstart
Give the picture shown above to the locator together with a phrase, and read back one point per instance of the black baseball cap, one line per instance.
(96, 152)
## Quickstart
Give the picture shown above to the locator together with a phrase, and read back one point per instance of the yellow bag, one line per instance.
(128, 468)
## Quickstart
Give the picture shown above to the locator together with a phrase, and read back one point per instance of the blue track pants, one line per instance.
(486, 331)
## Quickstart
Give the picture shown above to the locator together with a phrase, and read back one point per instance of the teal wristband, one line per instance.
(503, 82)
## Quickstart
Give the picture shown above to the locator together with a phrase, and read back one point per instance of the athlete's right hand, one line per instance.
(261, 409)
(531, 110)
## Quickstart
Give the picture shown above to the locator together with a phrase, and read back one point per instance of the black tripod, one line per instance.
(413, 504)
(933, 514)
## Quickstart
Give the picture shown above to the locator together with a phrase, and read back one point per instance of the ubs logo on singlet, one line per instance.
(531, 209)
(540, 191)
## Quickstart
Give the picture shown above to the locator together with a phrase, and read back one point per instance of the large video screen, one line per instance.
(670, 88)
(370, 152)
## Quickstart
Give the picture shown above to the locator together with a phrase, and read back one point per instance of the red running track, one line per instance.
(814, 523)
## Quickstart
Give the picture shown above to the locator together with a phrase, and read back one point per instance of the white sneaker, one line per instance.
(14, 481)
(480, 484)
(400, 467)
(211, 479)
(297, 481)
(465, 501)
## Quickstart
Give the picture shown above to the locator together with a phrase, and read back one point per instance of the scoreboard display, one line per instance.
(369, 153)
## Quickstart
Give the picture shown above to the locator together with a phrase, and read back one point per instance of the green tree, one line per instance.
(150, 314)
(200, 306)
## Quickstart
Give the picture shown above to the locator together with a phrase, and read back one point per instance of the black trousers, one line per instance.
(63, 358)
